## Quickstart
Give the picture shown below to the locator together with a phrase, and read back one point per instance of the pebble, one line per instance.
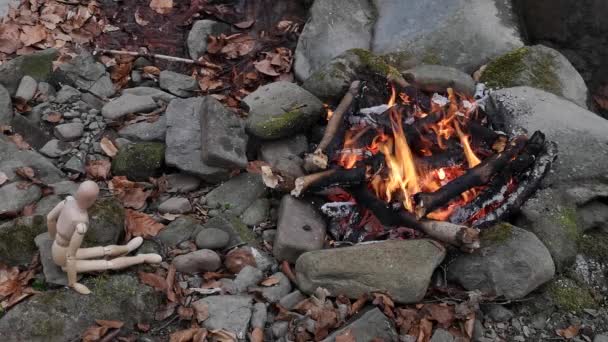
(212, 238)
(259, 315)
(175, 205)
(69, 131)
(291, 300)
(27, 88)
(279, 328)
(204, 260)
(269, 234)
(248, 277)
(273, 294)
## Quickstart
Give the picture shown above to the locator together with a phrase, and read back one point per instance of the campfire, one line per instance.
(396, 161)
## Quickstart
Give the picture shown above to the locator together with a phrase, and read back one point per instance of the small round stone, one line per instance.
(212, 238)
(203, 260)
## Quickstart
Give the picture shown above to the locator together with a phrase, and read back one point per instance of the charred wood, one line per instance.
(325, 179)
(387, 214)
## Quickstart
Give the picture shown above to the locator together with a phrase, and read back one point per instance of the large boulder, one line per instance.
(334, 27)
(281, 109)
(63, 315)
(539, 67)
(139, 161)
(460, 33)
(11, 158)
(16, 195)
(511, 262)
(6, 106)
(237, 194)
(146, 131)
(106, 223)
(84, 73)
(402, 269)
(38, 65)
(184, 138)
(17, 239)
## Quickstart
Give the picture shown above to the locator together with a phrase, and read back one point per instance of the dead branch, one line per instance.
(149, 55)
(386, 214)
(464, 237)
(277, 180)
(325, 179)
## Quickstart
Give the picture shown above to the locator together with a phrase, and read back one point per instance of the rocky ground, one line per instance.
(177, 152)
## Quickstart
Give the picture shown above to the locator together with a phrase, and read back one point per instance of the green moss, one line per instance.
(570, 296)
(241, 229)
(39, 65)
(374, 63)
(106, 224)
(594, 245)
(39, 285)
(49, 327)
(139, 161)
(566, 219)
(280, 125)
(543, 75)
(17, 239)
(498, 233)
(431, 57)
(504, 70)
(402, 60)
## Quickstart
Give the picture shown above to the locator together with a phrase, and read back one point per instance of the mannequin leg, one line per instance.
(115, 264)
(111, 250)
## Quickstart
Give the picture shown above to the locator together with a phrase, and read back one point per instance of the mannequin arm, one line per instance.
(75, 243)
(51, 219)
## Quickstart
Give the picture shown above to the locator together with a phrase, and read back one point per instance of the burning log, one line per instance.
(481, 174)
(276, 180)
(483, 135)
(318, 159)
(329, 178)
(466, 238)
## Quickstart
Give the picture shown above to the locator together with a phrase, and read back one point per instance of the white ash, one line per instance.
(338, 209)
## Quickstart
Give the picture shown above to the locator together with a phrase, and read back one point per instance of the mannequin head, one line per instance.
(87, 194)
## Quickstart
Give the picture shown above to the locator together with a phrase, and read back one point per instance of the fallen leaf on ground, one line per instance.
(165, 311)
(569, 332)
(161, 6)
(270, 281)
(257, 335)
(53, 117)
(18, 140)
(245, 24)
(187, 335)
(143, 327)
(139, 19)
(237, 259)
(99, 169)
(108, 147)
(442, 313)
(14, 285)
(131, 194)
(152, 70)
(25, 172)
(346, 336)
(201, 311)
(96, 332)
(140, 224)
(32, 34)
(265, 67)
(185, 313)
(153, 279)
(110, 324)
(3, 178)
(222, 335)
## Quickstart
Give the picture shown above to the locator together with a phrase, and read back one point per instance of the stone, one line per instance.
(247, 277)
(127, 104)
(6, 106)
(237, 194)
(106, 223)
(459, 33)
(281, 109)
(259, 316)
(197, 37)
(203, 260)
(367, 325)
(263, 260)
(279, 329)
(30, 130)
(224, 141)
(392, 267)
(497, 312)
(64, 187)
(175, 205)
(300, 229)
(212, 238)
(155, 93)
(540, 67)
(83, 72)
(27, 88)
(139, 161)
(239, 232)
(257, 212)
(178, 231)
(177, 84)
(442, 335)
(600, 338)
(17, 239)
(67, 94)
(46, 204)
(183, 140)
(437, 79)
(38, 65)
(118, 297)
(512, 262)
(13, 199)
(182, 183)
(231, 313)
(92, 101)
(285, 155)
(146, 131)
(346, 24)
(289, 301)
(45, 92)
(55, 149)
(53, 274)
(11, 158)
(274, 293)
(269, 235)
(69, 131)
(75, 164)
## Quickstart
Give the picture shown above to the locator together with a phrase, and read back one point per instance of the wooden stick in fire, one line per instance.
(318, 159)
(328, 178)
(466, 238)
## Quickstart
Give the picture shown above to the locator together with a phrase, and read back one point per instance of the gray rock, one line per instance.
(175, 205)
(497, 312)
(346, 24)
(45, 92)
(369, 324)
(69, 131)
(83, 72)
(512, 263)
(178, 231)
(269, 235)
(30, 130)
(75, 164)
(291, 300)
(55, 148)
(64, 187)
(203, 260)
(248, 277)
(6, 106)
(177, 84)
(155, 93)
(279, 329)
(239, 232)
(118, 297)
(389, 266)
(27, 88)
(17, 239)
(212, 238)
(224, 141)
(106, 223)
(11, 158)
(594, 215)
(459, 33)
(263, 260)
(67, 94)
(92, 101)
(274, 293)
(237, 194)
(228, 312)
(539, 67)
(146, 131)
(437, 78)
(183, 140)
(442, 335)
(281, 109)
(13, 199)
(300, 229)
(37, 65)
(285, 155)
(600, 338)
(53, 274)
(182, 183)
(259, 316)
(197, 37)
(257, 212)
(46, 204)
(127, 104)
(139, 161)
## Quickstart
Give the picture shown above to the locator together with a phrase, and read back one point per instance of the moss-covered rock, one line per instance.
(17, 239)
(594, 245)
(38, 65)
(106, 223)
(496, 234)
(540, 67)
(139, 161)
(570, 296)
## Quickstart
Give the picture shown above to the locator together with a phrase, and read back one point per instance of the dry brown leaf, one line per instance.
(94, 333)
(165, 311)
(569, 332)
(152, 70)
(185, 313)
(442, 313)
(237, 259)
(140, 224)
(170, 281)
(3, 178)
(152, 279)
(222, 335)
(161, 6)
(270, 281)
(143, 327)
(245, 24)
(110, 324)
(346, 336)
(139, 19)
(186, 335)
(14, 285)
(265, 68)
(108, 147)
(131, 194)
(201, 310)
(31, 35)
(25, 172)
(54, 117)
(207, 83)
(426, 328)
(257, 335)
(99, 169)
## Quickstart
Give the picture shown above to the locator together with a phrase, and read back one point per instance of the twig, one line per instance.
(151, 55)
(110, 337)
(166, 324)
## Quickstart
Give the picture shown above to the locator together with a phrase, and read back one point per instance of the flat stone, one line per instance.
(139, 161)
(197, 37)
(224, 141)
(274, 293)
(55, 149)
(13, 199)
(289, 301)
(247, 277)
(212, 238)
(30, 130)
(497, 312)
(127, 104)
(178, 231)
(177, 84)
(6, 106)
(281, 109)
(285, 155)
(67, 94)
(392, 267)
(279, 329)
(367, 325)
(300, 229)
(259, 316)
(203, 260)
(27, 88)
(38, 65)
(442, 335)
(11, 158)
(53, 274)
(155, 93)
(17, 245)
(83, 72)
(146, 131)
(257, 212)
(237, 194)
(175, 205)
(46, 204)
(512, 262)
(437, 79)
(239, 232)
(45, 92)
(231, 313)
(69, 131)
(106, 223)
(75, 164)
(184, 138)
(182, 183)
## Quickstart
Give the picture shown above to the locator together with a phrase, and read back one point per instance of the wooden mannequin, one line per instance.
(67, 224)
